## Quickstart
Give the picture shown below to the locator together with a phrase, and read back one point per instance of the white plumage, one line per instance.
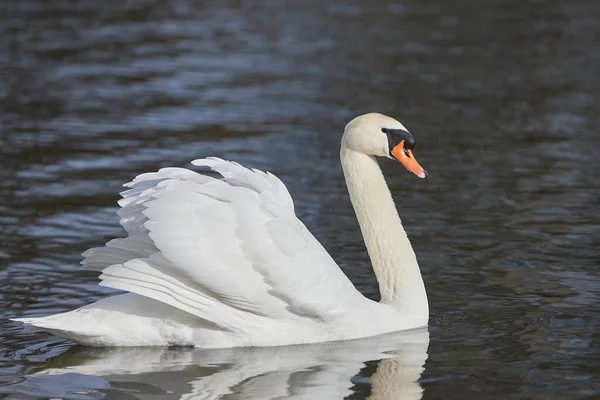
(225, 262)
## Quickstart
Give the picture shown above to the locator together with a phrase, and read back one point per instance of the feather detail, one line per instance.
(219, 247)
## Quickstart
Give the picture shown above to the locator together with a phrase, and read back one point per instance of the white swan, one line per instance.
(226, 263)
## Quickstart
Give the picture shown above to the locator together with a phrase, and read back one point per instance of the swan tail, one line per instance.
(129, 320)
(60, 325)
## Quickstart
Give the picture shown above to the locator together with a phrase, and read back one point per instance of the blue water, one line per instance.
(502, 98)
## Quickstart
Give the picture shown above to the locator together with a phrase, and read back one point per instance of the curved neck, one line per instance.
(393, 259)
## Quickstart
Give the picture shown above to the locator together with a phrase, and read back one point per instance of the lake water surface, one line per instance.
(501, 95)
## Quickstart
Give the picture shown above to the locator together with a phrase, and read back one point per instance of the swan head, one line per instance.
(379, 135)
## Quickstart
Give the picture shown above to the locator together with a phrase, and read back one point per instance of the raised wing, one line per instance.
(214, 246)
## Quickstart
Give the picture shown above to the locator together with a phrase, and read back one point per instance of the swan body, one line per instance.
(217, 263)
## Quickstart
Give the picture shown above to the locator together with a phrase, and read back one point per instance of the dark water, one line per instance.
(503, 99)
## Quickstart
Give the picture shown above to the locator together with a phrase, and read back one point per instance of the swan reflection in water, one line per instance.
(319, 371)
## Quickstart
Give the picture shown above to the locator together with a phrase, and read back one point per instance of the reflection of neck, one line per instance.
(394, 380)
(393, 259)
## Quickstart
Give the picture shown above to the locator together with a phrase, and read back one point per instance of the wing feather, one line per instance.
(205, 245)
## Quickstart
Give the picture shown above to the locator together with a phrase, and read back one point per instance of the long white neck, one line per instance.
(393, 259)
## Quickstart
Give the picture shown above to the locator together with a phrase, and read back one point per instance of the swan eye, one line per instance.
(385, 130)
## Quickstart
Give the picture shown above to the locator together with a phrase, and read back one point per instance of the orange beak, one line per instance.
(407, 159)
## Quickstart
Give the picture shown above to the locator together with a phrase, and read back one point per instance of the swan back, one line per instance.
(225, 250)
